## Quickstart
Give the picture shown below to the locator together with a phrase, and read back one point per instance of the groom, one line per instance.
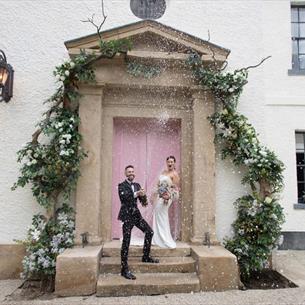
(130, 215)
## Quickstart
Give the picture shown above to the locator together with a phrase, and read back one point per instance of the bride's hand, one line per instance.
(166, 196)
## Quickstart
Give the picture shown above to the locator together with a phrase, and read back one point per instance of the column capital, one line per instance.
(92, 89)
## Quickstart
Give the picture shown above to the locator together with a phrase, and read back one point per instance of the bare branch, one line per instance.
(103, 10)
(224, 66)
(212, 51)
(97, 26)
(255, 66)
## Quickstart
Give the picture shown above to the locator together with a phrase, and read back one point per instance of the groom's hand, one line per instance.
(141, 192)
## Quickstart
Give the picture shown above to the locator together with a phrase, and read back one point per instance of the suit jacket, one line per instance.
(129, 208)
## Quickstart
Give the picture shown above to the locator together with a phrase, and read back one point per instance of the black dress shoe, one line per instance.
(128, 275)
(150, 259)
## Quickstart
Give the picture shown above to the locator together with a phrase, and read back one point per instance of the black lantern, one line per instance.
(6, 79)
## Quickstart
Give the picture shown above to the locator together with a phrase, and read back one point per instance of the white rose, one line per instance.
(268, 200)
(72, 64)
(67, 73)
(263, 153)
(62, 78)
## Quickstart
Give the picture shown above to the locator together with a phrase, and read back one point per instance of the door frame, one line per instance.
(128, 110)
(99, 105)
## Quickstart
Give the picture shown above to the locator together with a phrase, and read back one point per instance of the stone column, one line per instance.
(203, 170)
(88, 192)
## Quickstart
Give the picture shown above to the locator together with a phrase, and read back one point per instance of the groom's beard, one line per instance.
(130, 178)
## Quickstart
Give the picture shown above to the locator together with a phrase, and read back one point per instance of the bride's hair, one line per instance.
(171, 157)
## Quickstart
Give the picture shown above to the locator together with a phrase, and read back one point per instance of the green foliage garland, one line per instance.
(147, 71)
(259, 215)
(50, 162)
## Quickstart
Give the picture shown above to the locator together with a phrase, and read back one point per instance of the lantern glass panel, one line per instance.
(3, 76)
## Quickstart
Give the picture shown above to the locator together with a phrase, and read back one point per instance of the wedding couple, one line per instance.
(166, 192)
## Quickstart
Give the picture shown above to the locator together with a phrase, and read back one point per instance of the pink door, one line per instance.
(144, 143)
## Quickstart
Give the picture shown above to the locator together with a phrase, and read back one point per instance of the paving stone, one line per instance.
(147, 284)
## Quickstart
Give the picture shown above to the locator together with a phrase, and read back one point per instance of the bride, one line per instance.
(167, 192)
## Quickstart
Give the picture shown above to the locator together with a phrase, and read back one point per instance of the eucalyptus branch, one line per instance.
(94, 59)
(48, 114)
(254, 237)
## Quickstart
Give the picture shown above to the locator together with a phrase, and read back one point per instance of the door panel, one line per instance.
(144, 143)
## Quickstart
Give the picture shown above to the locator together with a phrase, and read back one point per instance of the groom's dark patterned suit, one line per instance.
(131, 216)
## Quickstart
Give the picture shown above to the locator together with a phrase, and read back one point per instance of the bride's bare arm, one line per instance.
(176, 179)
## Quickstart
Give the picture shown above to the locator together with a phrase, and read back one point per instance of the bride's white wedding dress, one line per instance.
(162, 234)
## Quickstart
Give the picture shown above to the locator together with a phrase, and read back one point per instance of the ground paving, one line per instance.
(290, 296)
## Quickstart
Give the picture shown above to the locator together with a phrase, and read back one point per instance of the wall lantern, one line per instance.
(6, 79)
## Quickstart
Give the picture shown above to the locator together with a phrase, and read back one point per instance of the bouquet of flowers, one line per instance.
(164, 190)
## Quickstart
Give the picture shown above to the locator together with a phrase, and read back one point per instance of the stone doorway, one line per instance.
(119, 94)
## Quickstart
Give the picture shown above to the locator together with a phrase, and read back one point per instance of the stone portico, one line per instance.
(118, 94)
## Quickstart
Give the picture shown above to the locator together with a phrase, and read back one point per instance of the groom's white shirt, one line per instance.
(135, 194)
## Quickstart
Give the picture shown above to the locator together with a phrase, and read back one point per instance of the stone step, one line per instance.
(147, 284)
(113, 248)
(185, 264)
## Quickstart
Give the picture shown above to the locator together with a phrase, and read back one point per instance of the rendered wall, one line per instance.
(33, 34)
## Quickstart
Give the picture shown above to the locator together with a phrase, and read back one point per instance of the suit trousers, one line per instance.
(141, 224)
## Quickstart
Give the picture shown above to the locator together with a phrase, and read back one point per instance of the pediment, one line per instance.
(152, 37)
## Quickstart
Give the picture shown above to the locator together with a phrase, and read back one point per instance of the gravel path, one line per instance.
(291, 296)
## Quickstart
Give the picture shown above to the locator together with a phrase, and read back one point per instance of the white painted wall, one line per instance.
(32, 34)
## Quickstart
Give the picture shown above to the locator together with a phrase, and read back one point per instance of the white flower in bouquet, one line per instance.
(163, 189)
